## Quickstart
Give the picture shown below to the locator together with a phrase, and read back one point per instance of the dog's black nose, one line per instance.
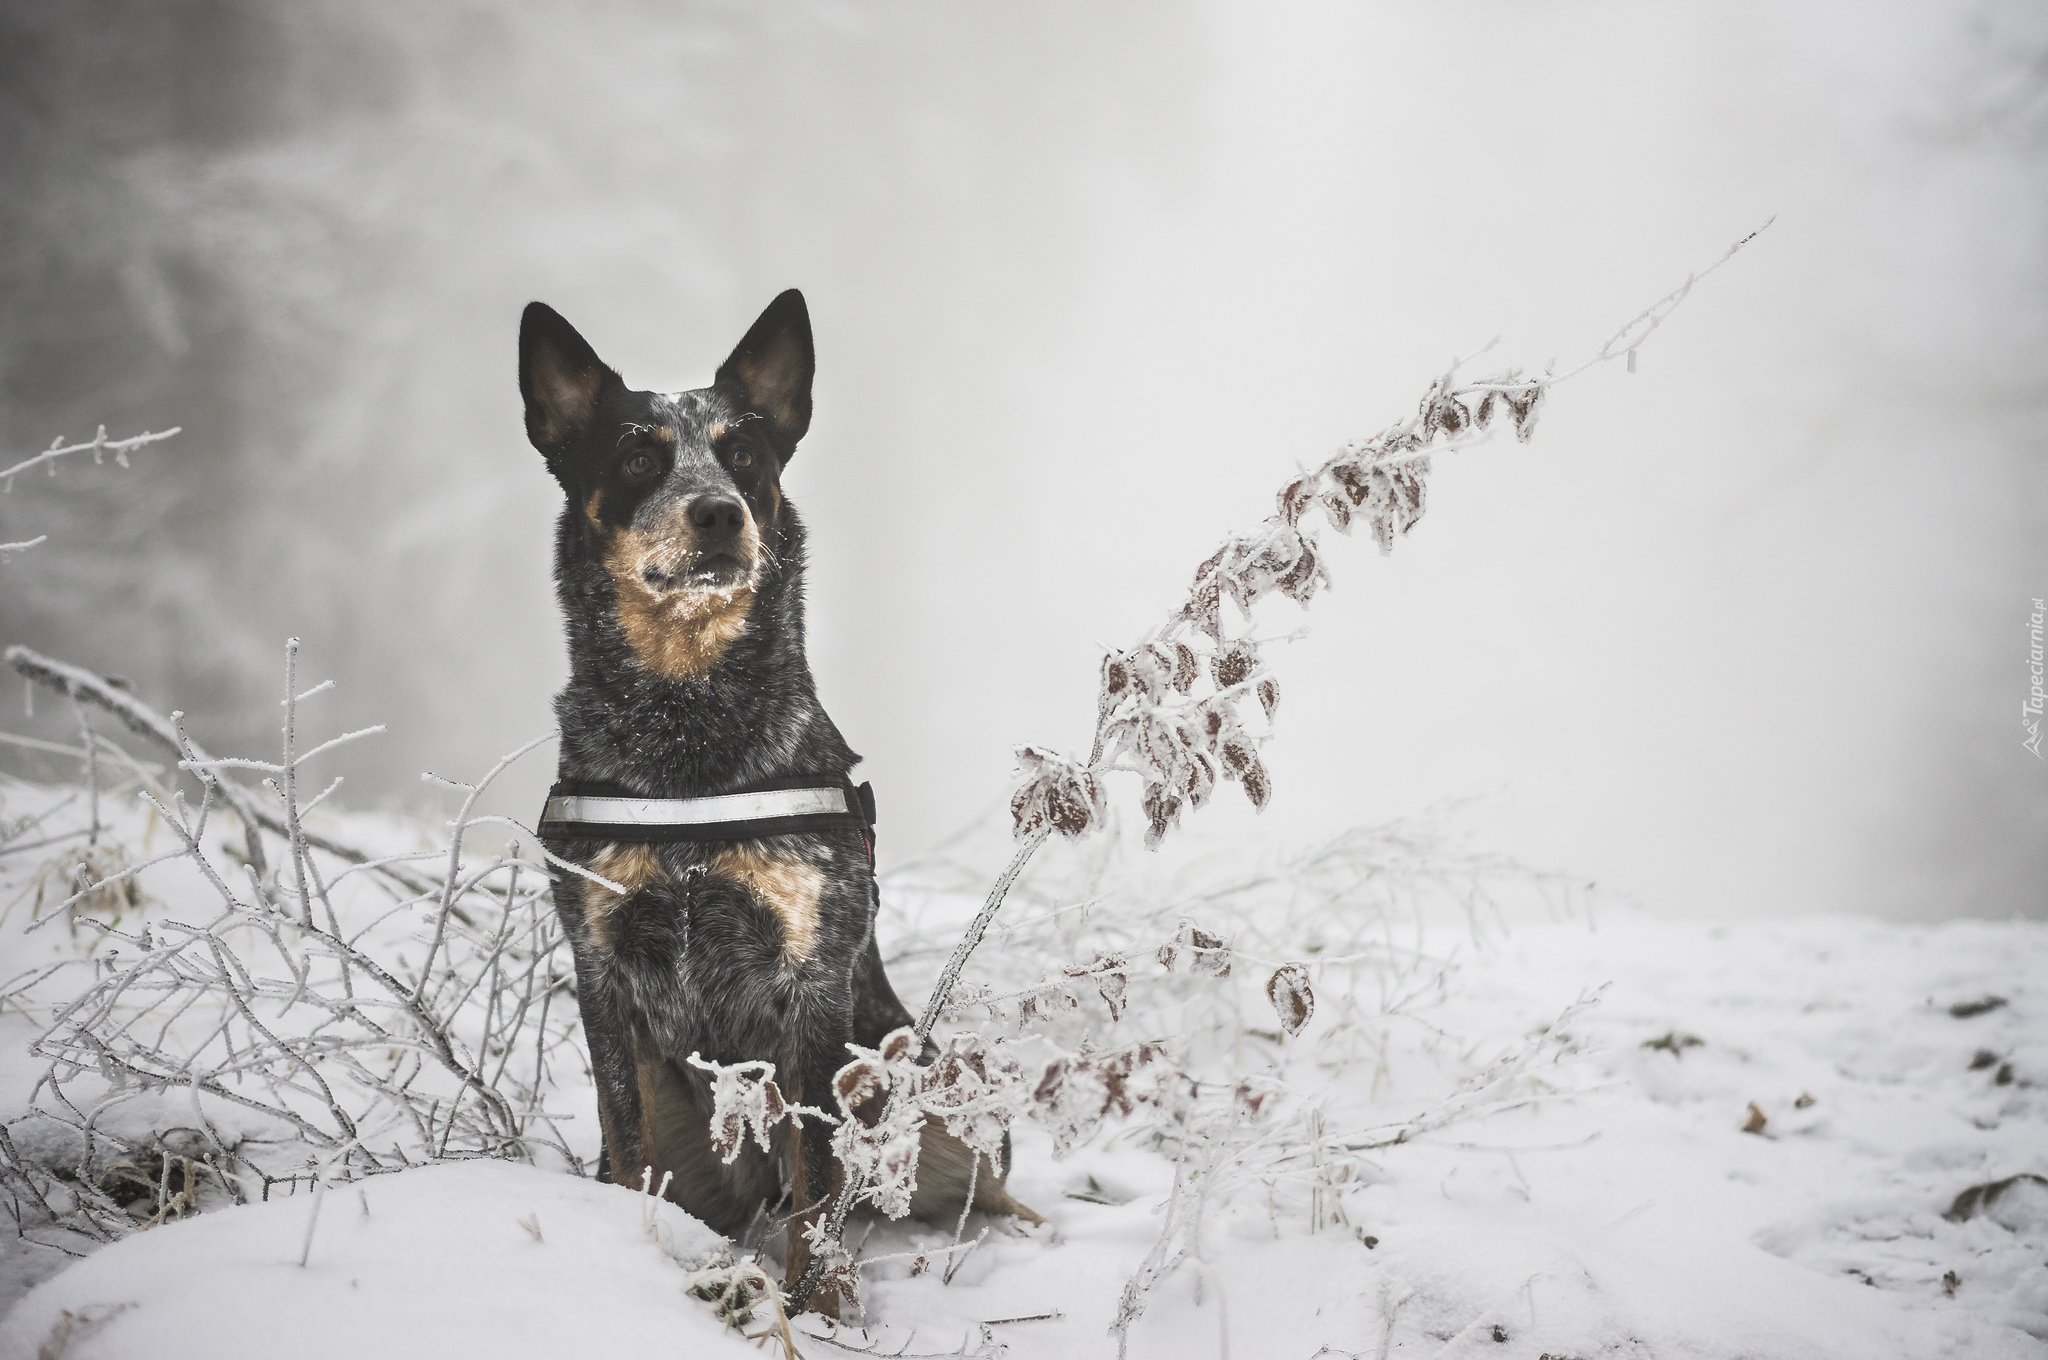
(716, 518)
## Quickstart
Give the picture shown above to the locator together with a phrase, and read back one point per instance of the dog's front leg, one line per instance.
(607, 1027)
(610, 1037)
(820, 1030)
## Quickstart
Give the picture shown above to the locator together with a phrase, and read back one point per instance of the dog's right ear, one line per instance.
(561, 378)
(771, 368)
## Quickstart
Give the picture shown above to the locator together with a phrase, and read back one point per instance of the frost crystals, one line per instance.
(1077, 1091)
(746, 1094)
(1150, 720)
(1056, 794)
(1293, 1000)
(971, 1087)
(1205, 953)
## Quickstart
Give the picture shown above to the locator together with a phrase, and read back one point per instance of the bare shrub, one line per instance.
(335, 1014)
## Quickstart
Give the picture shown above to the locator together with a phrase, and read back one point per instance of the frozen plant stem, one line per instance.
(960, 1228)
(971, 940)
(1222, 1308)
(313, 1220)
(291, 777)
(835, 1223)
(99, 445)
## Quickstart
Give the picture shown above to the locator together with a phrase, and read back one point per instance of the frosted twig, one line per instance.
(99, 446)
(75, 682)
(1627, 340)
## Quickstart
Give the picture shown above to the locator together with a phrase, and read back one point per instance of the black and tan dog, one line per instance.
(679, 566)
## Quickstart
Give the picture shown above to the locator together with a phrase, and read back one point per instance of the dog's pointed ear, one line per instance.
(561, 378)
(770, 370)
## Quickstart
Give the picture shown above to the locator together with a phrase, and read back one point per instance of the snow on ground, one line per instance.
(1775, 1121)
(1640, 1221)
(467, 1258)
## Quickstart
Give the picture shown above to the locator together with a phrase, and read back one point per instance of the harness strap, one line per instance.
(580, 810)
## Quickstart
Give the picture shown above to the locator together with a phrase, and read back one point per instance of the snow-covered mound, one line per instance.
(470, 1258)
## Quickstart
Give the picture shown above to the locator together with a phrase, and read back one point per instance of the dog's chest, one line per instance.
(762, 903)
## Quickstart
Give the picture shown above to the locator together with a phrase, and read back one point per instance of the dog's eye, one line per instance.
(741, 458)
(639, 465)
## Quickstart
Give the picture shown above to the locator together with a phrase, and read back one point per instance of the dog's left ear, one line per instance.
(771, 369)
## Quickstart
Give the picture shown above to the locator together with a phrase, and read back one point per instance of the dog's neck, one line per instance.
(752, 715)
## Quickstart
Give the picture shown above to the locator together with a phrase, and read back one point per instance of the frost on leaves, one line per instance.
(1293, 1000)
(1077, 1091)
(1205, 953)
(885, 1096)
(1151, 722)
(1269, 695)
(882, 1154)
(1234, 663)
(841, 1273)
(1056, 795)
(1110, 975)
(971, 1087)
(743, 1095)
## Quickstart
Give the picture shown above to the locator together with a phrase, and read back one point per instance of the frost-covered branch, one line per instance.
(286, 1020)
(99, 446)
(168, 734)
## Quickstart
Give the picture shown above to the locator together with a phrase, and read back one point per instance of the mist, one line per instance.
(1742, 632)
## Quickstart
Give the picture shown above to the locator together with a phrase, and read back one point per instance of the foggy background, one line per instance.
(1744, 632)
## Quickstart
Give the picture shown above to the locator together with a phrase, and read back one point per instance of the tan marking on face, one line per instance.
(787, 887)
(678, 633)
(679, 638)
(633, 867)
(715, 431)
(664, 434)
(593, 506)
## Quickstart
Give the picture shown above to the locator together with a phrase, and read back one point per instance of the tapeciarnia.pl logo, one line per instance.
(2030, 711)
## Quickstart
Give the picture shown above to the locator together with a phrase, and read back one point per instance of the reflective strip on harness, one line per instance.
(599, 812)
(728, 807)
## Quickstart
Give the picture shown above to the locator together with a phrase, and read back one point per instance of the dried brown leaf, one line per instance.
(856, 1081)
(1234, 663)
(1294, 1001)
